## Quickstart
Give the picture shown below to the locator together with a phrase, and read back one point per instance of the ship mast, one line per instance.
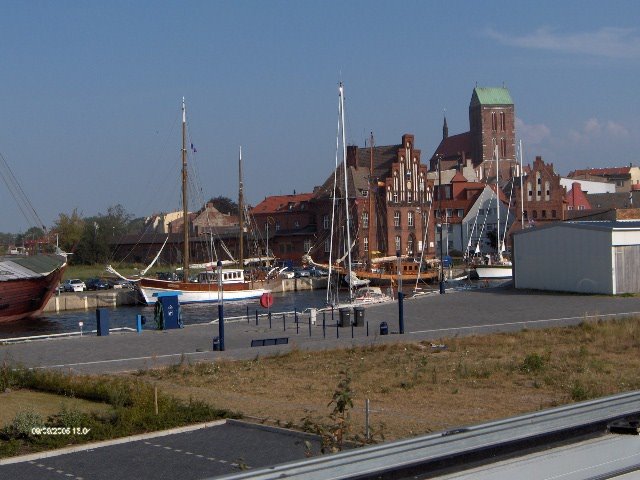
(241, 211)
(370, 231)
(346, 192)
(185, 205)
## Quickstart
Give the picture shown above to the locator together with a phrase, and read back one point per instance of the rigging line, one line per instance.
(20, 192)
(425, 239)
(333, 209)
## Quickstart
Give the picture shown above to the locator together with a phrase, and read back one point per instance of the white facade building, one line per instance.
(582, 257)
(588, 186)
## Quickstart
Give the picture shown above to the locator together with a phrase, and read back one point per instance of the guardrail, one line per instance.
(453, 448)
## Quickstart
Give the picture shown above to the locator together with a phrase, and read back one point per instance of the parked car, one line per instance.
(301, 272)
(318, 272)
(74, 285)
(286, 273)
(119, 283)
(97, 284)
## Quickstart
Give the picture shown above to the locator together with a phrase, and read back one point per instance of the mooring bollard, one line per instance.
(284, 325)
(297, 328)
(337, 330)
(295, 314)
(247, 313)
(367, 328)
(138, 323)
(309, 324)
(256, 317)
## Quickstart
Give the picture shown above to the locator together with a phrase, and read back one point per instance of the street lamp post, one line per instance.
(220, 307)
(442, 291)
(400, 296)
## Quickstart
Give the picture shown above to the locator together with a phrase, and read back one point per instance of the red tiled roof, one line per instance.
(279, 203)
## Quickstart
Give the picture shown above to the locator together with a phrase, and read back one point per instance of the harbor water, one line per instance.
(125, 316)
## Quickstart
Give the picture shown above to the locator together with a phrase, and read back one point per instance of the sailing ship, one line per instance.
(214, 284)
(496, 266)
(27, 283)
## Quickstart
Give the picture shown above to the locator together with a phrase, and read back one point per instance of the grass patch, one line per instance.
(128, 408)
(414, 388)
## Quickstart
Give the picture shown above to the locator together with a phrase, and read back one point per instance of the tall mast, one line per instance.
(521, 189)
(185, 204)
(498, 201)
(346, 190)
(370, 231)
(241, 209)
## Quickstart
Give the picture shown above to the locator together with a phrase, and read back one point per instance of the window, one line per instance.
(306, 245)
(449, 212)
(460, 212)
(365, 219)
(296, 224)
(398, 244)
(580, 207)
(395, 196)
(494, 122)
(410, 246)
(547, 188)
(365, 244)
(325, 222)
(535, 214)
(277, 226)
(481, 211)
(544, 214)
(409, 196)
(553, 214)
(396, 219)
(524, 213)
(327, 245)
(502, 122)
(570, 207)
(410, 219)
(503, 147)
(530, 190)
(450, 227)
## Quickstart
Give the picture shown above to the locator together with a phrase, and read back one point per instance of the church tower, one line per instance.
(491, 124)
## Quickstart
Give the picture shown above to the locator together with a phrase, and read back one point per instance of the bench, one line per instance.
(265, 342)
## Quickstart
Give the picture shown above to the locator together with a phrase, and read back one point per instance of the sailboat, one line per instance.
(496, 267)
(213, 284)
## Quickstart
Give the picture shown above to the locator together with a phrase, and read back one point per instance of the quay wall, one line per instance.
(91, 300)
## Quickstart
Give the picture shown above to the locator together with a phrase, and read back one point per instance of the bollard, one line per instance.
(256, 317)
(352, 330)
(297, 328)
(284, 325)
(295, 314)
(367, 328)
(401, 312)
(138, 323)
(324, 324)
(309, 324)
(337, 330)
(269, 319)
(102, 319)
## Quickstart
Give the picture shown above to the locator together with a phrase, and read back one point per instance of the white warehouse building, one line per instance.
(582, 257)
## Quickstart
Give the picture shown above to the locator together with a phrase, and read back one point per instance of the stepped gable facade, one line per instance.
(389, 198)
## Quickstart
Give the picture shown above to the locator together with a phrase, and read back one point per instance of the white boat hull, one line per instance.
(201, 296)
(494, 271)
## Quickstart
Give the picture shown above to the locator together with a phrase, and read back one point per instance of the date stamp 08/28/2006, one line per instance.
(59, 431)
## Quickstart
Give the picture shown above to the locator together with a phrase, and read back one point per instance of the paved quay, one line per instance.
(429, 317)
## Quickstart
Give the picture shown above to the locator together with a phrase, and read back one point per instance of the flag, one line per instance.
(194, 149)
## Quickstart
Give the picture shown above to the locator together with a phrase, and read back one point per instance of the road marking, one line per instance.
(116, 360)
(524, 322)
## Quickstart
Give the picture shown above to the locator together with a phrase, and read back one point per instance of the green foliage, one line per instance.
(24, 422)
(225, 205)
(532, 363)
(132, 402)
(69, 229)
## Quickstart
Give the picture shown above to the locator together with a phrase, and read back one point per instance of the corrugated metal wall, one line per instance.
(564, 258)
(627, 273)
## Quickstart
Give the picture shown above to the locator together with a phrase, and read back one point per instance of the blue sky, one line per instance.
(91, 91)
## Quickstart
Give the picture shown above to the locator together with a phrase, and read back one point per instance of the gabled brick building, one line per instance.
(389, 199)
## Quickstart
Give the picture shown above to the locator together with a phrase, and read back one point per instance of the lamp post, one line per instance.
(441, 226)
(400, 296)
(220, 307)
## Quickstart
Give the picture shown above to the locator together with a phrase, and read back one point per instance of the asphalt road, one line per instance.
(197, 454)
(429, 317)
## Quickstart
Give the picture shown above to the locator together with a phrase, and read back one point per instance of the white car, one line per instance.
(74, 285)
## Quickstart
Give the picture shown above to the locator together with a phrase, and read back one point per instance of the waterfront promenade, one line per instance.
(427, 318)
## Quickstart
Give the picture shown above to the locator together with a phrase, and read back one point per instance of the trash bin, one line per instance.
(102, 319)
(345, 317)
(216, 344)
(358, 316)
(313, 315)
(384, 328)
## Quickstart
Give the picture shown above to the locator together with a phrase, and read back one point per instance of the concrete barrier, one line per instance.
(91, 300)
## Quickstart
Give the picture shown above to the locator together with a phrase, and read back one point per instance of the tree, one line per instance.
(225, 205)
(69, 229)
(99, 232)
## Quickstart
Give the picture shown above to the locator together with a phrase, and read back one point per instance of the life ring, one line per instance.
(266, 300)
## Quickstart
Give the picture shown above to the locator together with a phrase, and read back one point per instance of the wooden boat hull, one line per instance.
(23, 298)
(198, 292)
